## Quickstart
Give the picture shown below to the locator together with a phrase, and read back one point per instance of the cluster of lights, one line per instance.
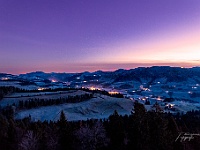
(113, 92)
(145, 89)
(159, 99)
(93, 88)
(4, 78)
(41, 89)
(144, 98)
(170, 105)
(194, 87)
(53, 80)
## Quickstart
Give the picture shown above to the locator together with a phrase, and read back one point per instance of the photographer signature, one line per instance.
(186, 136)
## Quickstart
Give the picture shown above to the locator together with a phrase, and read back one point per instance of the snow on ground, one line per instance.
(15, 97)
(99, 107)
(10, 83)
(184, 106)
(17, 84)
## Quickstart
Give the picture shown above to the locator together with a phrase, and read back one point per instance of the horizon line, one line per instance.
(103, 70)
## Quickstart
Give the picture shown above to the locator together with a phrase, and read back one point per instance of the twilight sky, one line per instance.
(89, 35)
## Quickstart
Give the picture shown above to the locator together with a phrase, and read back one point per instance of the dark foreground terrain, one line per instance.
(146, 130)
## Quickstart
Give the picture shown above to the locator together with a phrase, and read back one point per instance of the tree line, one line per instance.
(36, 102)
(5, 90)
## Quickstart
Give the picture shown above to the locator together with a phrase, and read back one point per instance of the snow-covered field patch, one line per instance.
(16, 97)
(99, 107)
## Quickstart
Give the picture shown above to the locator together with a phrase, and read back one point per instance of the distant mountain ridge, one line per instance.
(141, 75)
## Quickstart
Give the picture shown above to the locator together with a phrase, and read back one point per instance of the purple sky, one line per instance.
(80, 35)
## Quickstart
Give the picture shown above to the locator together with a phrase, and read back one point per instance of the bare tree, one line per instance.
(29, 141)
(92, 138)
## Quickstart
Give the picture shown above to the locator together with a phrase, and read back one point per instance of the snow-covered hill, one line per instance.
(100, 107)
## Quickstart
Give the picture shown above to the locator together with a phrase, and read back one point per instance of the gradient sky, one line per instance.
(89, 35)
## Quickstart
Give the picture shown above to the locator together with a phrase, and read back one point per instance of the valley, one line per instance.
(174, 89)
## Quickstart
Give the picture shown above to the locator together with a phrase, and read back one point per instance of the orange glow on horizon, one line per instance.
(174, 48)
(180, 50)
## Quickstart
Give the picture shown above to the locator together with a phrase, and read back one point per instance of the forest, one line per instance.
(148, 130)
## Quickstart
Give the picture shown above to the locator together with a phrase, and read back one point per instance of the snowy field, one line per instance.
(10, 83)
(17, 84)
(184, 106)
(16, 97)
(99, 107)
